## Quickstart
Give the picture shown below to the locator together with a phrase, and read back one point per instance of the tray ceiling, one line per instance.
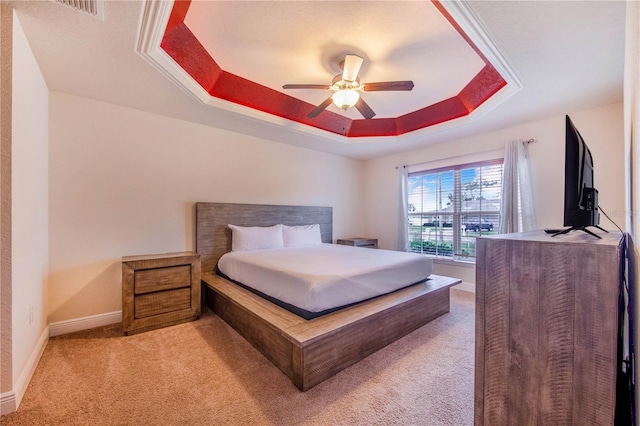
(237, 55)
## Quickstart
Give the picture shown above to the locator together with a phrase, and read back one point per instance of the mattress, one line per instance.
(323, 277)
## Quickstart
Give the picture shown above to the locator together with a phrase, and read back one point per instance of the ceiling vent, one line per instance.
(94, 8)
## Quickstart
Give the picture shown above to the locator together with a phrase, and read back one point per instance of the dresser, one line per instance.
(159, 290)
(546, 328)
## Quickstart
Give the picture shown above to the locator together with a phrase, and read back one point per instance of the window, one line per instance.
(449, 207)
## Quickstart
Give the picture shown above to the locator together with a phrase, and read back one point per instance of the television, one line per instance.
(580, 194)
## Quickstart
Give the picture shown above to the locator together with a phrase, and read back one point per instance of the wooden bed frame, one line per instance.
(308, 351)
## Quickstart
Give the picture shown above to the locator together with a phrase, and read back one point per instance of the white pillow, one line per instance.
(304, 235)
(255, 237)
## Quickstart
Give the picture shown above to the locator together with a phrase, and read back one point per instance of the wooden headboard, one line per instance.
(213, 236)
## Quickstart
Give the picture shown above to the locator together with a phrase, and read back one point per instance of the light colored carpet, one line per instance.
(203, 372)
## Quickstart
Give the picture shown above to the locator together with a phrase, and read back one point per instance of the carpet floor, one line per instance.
(203, 372)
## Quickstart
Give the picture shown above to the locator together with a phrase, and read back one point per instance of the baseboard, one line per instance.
(84, 323)
(10, 401)
(465, 287)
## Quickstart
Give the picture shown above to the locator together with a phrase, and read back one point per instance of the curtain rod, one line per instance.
(528, 141)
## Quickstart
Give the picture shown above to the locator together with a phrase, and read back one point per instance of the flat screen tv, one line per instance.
(580, 194)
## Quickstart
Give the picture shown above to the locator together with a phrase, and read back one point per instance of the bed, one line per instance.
(308, 351)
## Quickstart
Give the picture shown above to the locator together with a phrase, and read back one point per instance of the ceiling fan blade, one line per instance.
(388, 85)
(351, 67)
(364, 109)
(307, 86)
(320, 108)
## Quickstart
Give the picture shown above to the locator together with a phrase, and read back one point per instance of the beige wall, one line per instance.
(6, 355)
(124, 182)
(29, 198)
(25, 248)
(602, 129)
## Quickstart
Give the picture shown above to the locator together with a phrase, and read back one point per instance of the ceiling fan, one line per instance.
(347, 88)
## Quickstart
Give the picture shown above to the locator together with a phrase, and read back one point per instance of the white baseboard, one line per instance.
(84, 323)
(10, 401)
(465, 287)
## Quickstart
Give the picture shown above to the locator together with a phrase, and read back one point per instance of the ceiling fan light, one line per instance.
(345, 98)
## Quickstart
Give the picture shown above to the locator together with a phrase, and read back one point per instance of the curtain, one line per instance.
(402, 239)
(517, 210)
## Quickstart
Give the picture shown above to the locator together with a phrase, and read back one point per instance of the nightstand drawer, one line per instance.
(148, 280)
(160, 302)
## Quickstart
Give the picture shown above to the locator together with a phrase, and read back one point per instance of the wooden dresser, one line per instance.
(546, 324)
(159, 290)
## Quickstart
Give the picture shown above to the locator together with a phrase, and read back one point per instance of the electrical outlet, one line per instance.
(30, 314)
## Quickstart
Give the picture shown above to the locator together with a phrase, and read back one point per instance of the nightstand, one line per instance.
(159, 290)
(359, 242)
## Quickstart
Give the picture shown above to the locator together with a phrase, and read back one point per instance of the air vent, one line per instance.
(92, 7)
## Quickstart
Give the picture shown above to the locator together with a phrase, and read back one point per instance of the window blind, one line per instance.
(450, 206)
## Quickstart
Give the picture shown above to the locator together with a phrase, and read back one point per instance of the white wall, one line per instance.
(29, 255)
(602, 129)
(124, 182)
(7, 399)
(632, 157)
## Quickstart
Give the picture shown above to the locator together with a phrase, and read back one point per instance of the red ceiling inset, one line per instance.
(183, 46)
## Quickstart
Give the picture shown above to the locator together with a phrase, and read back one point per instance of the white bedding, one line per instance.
(325, 276)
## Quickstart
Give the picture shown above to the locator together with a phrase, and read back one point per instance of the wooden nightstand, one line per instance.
(159, 290)
(359, 242)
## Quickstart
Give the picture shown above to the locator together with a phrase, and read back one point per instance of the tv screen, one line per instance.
(580, 195)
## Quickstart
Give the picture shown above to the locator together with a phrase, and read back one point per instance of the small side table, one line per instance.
(359, 242)
(159, 290)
